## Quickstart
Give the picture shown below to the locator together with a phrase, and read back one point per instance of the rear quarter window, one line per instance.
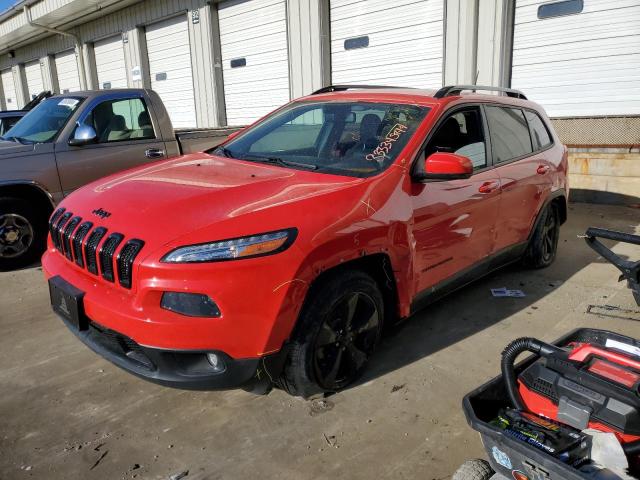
(539, 133)
(509, 133)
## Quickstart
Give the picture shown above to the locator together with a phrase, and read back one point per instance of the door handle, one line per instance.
(490, 186)
(542, 169)
(154, 153)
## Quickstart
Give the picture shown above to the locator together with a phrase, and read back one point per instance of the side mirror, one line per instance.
(233, 135)
(83, 135)
(445, 166)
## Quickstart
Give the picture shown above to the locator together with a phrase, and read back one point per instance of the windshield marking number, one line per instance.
(380, 153)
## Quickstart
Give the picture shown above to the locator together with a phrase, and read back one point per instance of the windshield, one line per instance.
(347, 138)
(43, 123)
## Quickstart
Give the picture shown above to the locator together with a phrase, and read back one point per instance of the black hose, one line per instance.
(509, 355)
(632, 448)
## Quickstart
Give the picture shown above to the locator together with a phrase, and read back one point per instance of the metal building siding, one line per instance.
(579, 65)
(67, 71)
(110, 64)
(169, 52)
(33, 75)
(254, 30)
(9, 89)
(406, 42)
(308, 46)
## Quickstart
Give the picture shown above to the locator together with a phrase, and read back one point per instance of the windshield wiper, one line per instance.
(20, 140)
(280, 161)
(225, 151)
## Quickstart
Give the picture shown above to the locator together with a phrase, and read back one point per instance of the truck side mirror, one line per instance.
(445, 166)
(83, 135)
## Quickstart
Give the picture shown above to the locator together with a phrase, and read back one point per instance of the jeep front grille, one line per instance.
(91, 247)
(125, 260)
(80, 244)
(78, 238)
(106, 255)
(66, 236)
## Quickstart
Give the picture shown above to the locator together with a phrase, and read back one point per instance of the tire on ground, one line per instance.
(474, 470)
(299, 378)
(543, 245)
(38, 222)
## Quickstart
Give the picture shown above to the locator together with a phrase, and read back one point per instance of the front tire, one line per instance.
(337, 332)
(22, 233)
(543, 245)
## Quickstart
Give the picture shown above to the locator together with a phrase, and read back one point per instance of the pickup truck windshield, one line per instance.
(42, 124)
(347, 138)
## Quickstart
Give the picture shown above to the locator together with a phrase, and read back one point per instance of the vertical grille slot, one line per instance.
(66, 237)
(57, 235)
(125, 261)
(106, 255)
(77, 240)
(53, 222)
(90, 249)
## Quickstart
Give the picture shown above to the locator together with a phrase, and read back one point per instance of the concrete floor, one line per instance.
(67, 414)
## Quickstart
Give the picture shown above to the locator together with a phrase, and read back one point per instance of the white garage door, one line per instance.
(67, 70)
(253, 35)
(9, 89)
(170, 69)
(33, 72)
(110, 64)
(578, 58)
(387, 43)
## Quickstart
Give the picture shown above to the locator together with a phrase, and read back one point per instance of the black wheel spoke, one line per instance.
(331, 377)
(371, 324)
(352, 306)
(327, 336)
(358, 357)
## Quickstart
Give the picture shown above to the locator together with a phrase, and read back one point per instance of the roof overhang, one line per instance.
(16, 32)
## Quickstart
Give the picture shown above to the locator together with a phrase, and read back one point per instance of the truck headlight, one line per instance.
(236, 248)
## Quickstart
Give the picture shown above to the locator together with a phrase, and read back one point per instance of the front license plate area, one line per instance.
(67, 301)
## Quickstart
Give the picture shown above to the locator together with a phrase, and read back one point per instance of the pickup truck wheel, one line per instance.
(542, 248)
(336, 335)
(22, 234)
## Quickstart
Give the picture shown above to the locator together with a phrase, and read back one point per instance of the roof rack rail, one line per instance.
(342, 88)
(456, 89)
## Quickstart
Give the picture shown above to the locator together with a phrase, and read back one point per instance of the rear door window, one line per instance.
(539, 133)
(509, 131)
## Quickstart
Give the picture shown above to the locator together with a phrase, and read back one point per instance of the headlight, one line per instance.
(245, 247)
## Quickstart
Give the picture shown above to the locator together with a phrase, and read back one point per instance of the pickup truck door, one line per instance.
(454, 221)
(127, 136)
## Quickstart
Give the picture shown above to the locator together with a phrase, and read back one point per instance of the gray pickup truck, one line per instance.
(70, 140)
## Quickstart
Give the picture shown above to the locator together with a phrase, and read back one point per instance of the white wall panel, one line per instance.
(9, 89)
(169, 52)
(110, 64)
(33, 74)
(583, 64)
(256, 31)
(67, 71)
(406, 42)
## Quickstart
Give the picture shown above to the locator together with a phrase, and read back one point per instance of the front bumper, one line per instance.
(173, 368)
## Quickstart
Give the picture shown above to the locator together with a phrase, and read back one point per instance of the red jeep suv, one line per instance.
(277, 257)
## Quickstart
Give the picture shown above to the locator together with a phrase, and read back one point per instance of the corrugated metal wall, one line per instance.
(131, 21)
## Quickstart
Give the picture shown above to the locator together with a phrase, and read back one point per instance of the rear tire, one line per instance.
(543, 245)
(337, 332)
(474, 470)
(22, 233)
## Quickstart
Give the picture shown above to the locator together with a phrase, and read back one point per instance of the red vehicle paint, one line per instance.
(395, 231)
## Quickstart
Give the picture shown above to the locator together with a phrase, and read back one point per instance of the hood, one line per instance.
(182, 197)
